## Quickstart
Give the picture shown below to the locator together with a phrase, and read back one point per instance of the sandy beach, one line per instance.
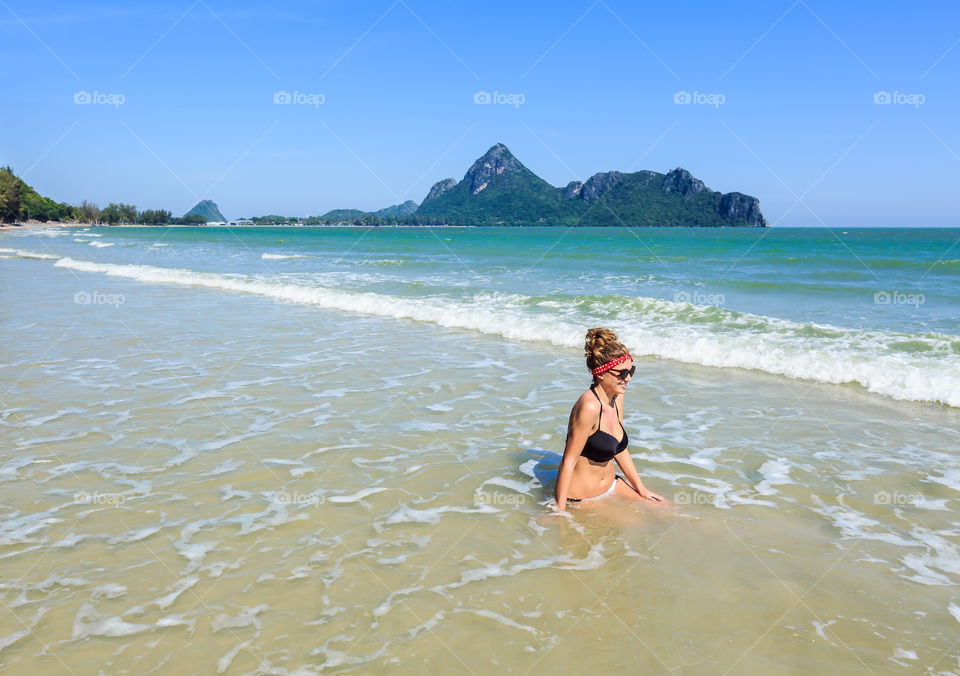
(47, 224)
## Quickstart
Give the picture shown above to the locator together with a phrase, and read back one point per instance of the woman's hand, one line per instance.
(649, 495)
(633, 479)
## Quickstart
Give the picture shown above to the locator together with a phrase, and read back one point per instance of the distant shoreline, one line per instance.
(59, 224)
(55, 224)
(50, 224)
(44, 224)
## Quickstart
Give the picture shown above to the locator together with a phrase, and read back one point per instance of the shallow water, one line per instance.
(202, 480)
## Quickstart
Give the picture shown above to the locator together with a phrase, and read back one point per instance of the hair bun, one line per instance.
(601, 346)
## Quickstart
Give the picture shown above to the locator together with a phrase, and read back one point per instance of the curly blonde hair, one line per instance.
(602, 346)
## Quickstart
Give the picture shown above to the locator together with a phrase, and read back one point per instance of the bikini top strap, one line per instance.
(593, 388)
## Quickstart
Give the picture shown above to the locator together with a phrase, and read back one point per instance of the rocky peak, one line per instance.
(599, 184)
(403, 209)
(209, 210)
(739, 207)
(496, 162)
(439, 188)
(572, 189)
(644, 177)
(680, 180)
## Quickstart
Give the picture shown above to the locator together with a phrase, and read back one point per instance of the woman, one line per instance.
(595, 433)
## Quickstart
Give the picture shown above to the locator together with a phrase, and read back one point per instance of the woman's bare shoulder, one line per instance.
(587, 404)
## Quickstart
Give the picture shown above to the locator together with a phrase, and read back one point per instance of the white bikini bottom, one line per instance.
(604, 494)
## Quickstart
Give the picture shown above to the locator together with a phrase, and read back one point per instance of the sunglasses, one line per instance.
(621, 374)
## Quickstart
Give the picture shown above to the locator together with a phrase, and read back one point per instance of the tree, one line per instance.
(190, 219)
(34, 206)
(11, 194)
(88, 212)
(118, 213)
(154, 217)
(128, 213)
(110, 215)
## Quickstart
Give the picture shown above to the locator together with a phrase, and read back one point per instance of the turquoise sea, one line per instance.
(297, 450)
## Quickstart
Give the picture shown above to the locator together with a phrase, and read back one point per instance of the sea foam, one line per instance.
(709, 336)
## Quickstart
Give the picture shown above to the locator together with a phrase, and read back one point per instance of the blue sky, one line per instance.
(782, 101)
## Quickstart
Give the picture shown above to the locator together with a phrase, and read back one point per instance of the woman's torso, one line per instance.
(594, 470)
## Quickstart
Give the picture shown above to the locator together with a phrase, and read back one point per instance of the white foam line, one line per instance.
(356, 497)
(29, 254)
(10, 639)
(224, 662)
(502, 619)
(706, 336)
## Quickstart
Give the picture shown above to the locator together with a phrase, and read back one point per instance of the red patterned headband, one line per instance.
(603, 368)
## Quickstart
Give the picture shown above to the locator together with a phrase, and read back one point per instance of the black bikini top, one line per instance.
(601, 446)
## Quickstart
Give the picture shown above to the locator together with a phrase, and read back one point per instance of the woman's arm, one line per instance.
(578, 429)
(625, 461)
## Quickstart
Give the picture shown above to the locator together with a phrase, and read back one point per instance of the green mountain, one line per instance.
(20, 202)
(499, 190)
(391, 213)
(208, 210)
(404, 209)
(343, 215)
